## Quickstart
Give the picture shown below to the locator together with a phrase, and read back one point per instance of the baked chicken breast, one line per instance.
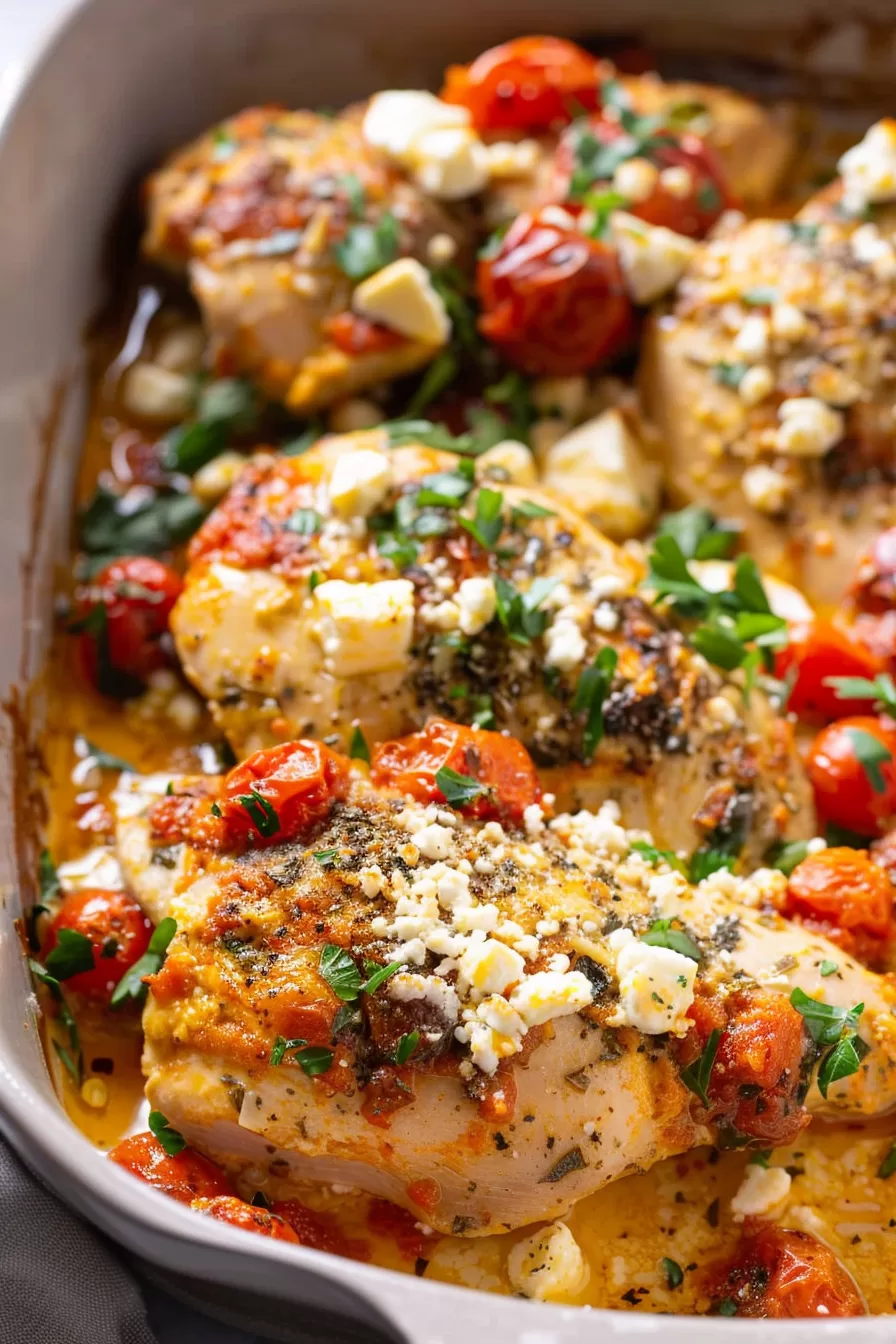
(475, 1012)
(771, 378)
(361, 588)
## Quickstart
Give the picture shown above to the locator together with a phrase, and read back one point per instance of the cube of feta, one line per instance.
(364, 628)
(401, 296)
(653, 259)
(450, 162)
(656, 985)
(396, 118)
(489, 967)
(359, 483)
(549, 994)
(548, 1264)
(601, 468)
(477, 603)
(869, 168)
(809, 427)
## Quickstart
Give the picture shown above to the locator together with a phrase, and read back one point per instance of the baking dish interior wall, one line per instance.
(141, 75)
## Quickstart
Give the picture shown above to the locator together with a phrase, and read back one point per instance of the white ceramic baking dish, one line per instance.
(109, 86)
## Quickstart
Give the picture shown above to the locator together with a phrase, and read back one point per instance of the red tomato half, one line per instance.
(282, 791)
(816, 652)
(588, 152)
(779, 1273)
(117, 930)
(553, 300)
(186, 1177)
(847, 897)
(501, 764)
(123, 615)
(852, 768)
(236, 1212)
(530, 84)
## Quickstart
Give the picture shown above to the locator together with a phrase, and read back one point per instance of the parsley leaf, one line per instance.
(591, 693)
(281, 1045)
(708, 860)
(325, 857)
(378, 975)
(729, 373)
(673, 1272)
(406, 1046)
(835, 1031)
(696, 1076)
(340, 972)
(457, 789)
(654, 856)
(662, 934)
(828, 968)
(225, 405)
(358, 749)
(103, 760)
(785, 857)
(487, 523)
(888, 1165)
(171, 1139)
(699, 535)
(367, 248)
(131, 985)
(107, 528)
(439, 375)
(354, 191)
(519, 612)
(871, 755)
(312, 1059)
(72, 954)
(262, 815)
(882, 690)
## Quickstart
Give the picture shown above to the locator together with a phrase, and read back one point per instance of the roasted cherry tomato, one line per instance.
(847, 897)
(236, 1212)
(529, 84)
(820, 650)
(282, 791)
(874, 581)
(320, 1231)
(781, 1273)
(676, 179)
(501, 765)
(757, 1075)
(852, 768)
(122, 616)
(117, 930)
(354, 335)
(553, 300)
(186, 1177)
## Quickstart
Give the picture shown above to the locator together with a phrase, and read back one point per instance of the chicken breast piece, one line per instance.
(256, 210)
(531, 1047)
(771, 378)
(294, 621)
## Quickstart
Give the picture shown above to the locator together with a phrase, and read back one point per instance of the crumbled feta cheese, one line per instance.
(434, 841)
(766, 489)
(489, 967)
(761, 1194)
(678, 181)
(372, 880)
(789, 323)
(869, 168)
(99, 867)
(440, 615)
(653, 259)
(719, 714)
(364, 628)
(635, 179)
(548, 994)
(441, 249)
(565, 647)
(870, 248)
(395, 118)
(808, 427)
(656, 985)
(359, 483)
(508, 461)
(477, 604)
(751, 342)
(408, 986)
(756, 384)
(450, 162)
(486, 917)
(606, 618)
(512, 158)
(548, 1265)
(402, 296)
(533, 820)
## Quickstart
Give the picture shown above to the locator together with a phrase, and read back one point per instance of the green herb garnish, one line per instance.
(358, 749)
(662, 934)
(367, 248)
(406, 1046)
(131, 986)
(171, 1139)
(696, 1076)
(263, 816)
(457, 789)
(591, 693)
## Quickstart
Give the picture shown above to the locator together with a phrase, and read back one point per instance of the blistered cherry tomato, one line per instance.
(123, 616)
(186, 1177)
(354, 335)
(817, 651)
(529, 84)
(757, 1075)
(500, 764)
(282, 791)
(118, 932)
(844, 895)
(320, 1231)
(852, 769)
(874, 581)
(236, 1212)
(553, 300)
(781, 1273)
(688, 201)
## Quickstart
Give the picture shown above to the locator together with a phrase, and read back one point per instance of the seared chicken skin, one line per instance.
(294, 621)
(526, 1046)
(772, 380)
(256, 211)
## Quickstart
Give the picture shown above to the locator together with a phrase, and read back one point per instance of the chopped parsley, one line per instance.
(828, 968)
(698, 533)
(72, 954)
(49, 886)
(354, 191)
(882, 690)
(72, 1057)
(696, 1076)
(439, 375)
(835, 1031)
(367, 248)
(673, 1272)
(108, 528)
(358, 749)
(262, 815)
(519, 612)
(653, 856)
(171, 1139)
(457, 789)
(487, 523)
(888, 1165)
(662, 934)
(760, 296)
(312, 1059)
(340, 972)
(304, 522)
(131, 987)
(325, 857)
(224, 406)
(591, 693)
(406, 1046)
(871, 755)
(377, 975)
(785, 857)
(729, 373)
(707, 860)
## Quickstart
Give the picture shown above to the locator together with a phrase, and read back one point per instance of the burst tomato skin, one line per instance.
(778, 1273)
(236, 1212)
(817, 651)
(411, 763)
(844, 788)
(123, 615)
(692, 212)
(110, 919)
(186, 1177)
(529, 84)
(354, 335)
(553, 299)
(298, 781)
(847, 897)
